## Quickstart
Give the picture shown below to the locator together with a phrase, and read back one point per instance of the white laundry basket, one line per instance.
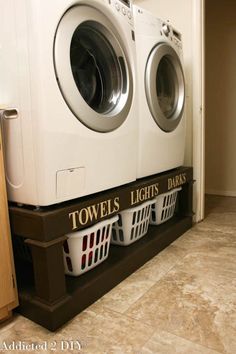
(164, 207)
(132, 224)
(85, 249)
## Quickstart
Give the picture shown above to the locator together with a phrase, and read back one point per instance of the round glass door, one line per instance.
(165, 88)
(92, 70)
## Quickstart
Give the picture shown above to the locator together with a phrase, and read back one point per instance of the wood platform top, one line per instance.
(48, 223)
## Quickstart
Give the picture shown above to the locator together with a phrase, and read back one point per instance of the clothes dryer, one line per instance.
(67, 73)
(161, 91)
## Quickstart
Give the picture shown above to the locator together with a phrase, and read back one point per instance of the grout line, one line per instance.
(190, 341)
(161, 278)
(152, 329)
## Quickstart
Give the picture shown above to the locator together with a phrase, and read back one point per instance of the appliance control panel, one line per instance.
(172, 34)
(124, 8)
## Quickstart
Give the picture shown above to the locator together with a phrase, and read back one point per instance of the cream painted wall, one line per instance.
(221, 97)
(180, 15)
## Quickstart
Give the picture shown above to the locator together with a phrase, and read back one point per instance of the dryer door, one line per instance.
(165, 88)
(92, 68)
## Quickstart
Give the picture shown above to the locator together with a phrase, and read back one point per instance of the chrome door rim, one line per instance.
(159, 52)
(70, 21)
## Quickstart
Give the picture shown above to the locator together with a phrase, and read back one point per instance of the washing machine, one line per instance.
(161, 92)
(68, 88)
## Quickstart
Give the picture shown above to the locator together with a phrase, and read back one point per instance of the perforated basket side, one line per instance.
(164, 207)
(132, 224)
(85, 249)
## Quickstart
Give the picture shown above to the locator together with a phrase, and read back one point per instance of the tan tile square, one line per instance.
(219, 204)
(134, 287)
(97, 330)
(205, 240)
(162, 263)
(126, 293)
(194, 302)
(21, 330)
(221, 222)
(111, 332)
(166, 343)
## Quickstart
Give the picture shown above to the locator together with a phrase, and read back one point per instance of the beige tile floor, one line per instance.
(181, 301)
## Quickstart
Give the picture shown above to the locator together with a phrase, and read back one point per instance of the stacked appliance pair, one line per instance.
(89, 115)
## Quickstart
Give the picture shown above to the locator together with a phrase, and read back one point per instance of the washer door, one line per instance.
(92, 70)
(165, 87)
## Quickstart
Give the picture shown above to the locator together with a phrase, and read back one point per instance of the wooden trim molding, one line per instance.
(8, 294)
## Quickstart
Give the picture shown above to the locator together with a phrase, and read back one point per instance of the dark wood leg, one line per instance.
(50, 285)
(186, 200)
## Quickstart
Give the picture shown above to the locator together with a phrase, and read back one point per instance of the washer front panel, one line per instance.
(92, 70)
(165, 87)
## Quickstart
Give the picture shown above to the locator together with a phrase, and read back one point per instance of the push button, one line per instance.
(123, 11)
(117, 6)
(166, 29)
(129, 15)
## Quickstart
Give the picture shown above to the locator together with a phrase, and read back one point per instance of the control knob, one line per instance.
(166, 29)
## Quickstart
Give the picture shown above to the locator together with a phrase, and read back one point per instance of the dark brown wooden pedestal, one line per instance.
(50, 298)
